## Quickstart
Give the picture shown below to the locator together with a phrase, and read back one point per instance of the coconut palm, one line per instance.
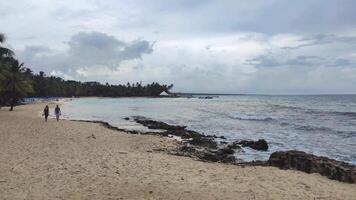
(4, 52)
(16, 84)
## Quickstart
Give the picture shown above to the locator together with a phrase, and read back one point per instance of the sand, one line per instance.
(80, 160)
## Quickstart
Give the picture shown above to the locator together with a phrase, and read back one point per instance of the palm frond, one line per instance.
(6, 52)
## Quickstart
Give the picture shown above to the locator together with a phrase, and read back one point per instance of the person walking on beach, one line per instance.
(45, 112)
(57, 112)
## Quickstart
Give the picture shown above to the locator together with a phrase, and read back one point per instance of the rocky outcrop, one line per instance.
(260, 144)
(217, 155)
(193, 137)
(310, 163)
(208, 154)
(203, 142)
(151, 124)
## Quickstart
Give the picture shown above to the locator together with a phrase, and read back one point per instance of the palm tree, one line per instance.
(4, 52)
(16, 84)
(2, 67)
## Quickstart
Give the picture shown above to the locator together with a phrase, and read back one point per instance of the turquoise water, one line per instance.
(321, 124)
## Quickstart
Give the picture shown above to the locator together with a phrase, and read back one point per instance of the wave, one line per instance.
(251, 118)
(316, 111)
(348, 114)
(286, 107)
(311, 128)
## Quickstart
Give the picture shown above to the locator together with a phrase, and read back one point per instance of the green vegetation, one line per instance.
(17, 82)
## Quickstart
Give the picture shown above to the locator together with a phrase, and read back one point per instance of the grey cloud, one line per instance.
(263, 61)
(271, 60)
(137, 48)
(302, 16)
(86, 50)
(270, 17)
(322, 39)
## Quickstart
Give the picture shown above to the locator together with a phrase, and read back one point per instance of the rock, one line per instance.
(227, 151)
(126, 118)
(181, 133)
(204, 142)
(151, 124)
(234, 145)
(261, 144)
(310, 163)
(216, 156)
(186, 148)
(208, 154)
(220, 137)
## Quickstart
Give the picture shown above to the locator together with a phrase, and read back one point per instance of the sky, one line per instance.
(212, 46)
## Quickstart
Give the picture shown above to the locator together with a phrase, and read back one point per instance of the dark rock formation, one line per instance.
(204, 142)
(208, 154)
(234, 145)
(193, 137)
(109, 126)
(261, 144)
(227, 150)
(310, 163)
(216, 156)
(151, 124)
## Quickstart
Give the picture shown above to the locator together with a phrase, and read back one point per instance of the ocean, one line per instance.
(319, 124)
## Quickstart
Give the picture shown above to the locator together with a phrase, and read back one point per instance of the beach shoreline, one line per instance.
(79, 160)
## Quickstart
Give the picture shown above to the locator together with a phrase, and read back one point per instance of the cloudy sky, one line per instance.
(223, 46)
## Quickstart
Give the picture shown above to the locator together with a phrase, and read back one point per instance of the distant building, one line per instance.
(165, 94)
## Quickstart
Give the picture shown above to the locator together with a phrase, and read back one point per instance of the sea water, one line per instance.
(320, 124)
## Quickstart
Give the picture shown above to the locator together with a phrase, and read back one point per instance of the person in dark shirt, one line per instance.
(57, 112)
(45, 112)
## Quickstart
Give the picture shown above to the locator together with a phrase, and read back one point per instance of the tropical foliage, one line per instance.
(17, 82)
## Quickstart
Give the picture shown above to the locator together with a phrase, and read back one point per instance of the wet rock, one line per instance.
(204, 142)
(310, 163)
(126, 118)
(261, 144)
(218, 155)
(234, 146)
(152, 124)
(220, 137)
(207, 154)
(193, 137)
(227, 150)
(186, 148)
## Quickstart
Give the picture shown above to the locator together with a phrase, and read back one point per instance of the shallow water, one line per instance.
(321, 124)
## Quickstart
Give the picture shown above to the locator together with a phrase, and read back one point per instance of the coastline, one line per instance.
(79, 160)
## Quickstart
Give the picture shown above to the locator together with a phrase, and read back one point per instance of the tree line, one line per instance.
(18, 82)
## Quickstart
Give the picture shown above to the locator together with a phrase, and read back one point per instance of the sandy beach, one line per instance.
(80, 160)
